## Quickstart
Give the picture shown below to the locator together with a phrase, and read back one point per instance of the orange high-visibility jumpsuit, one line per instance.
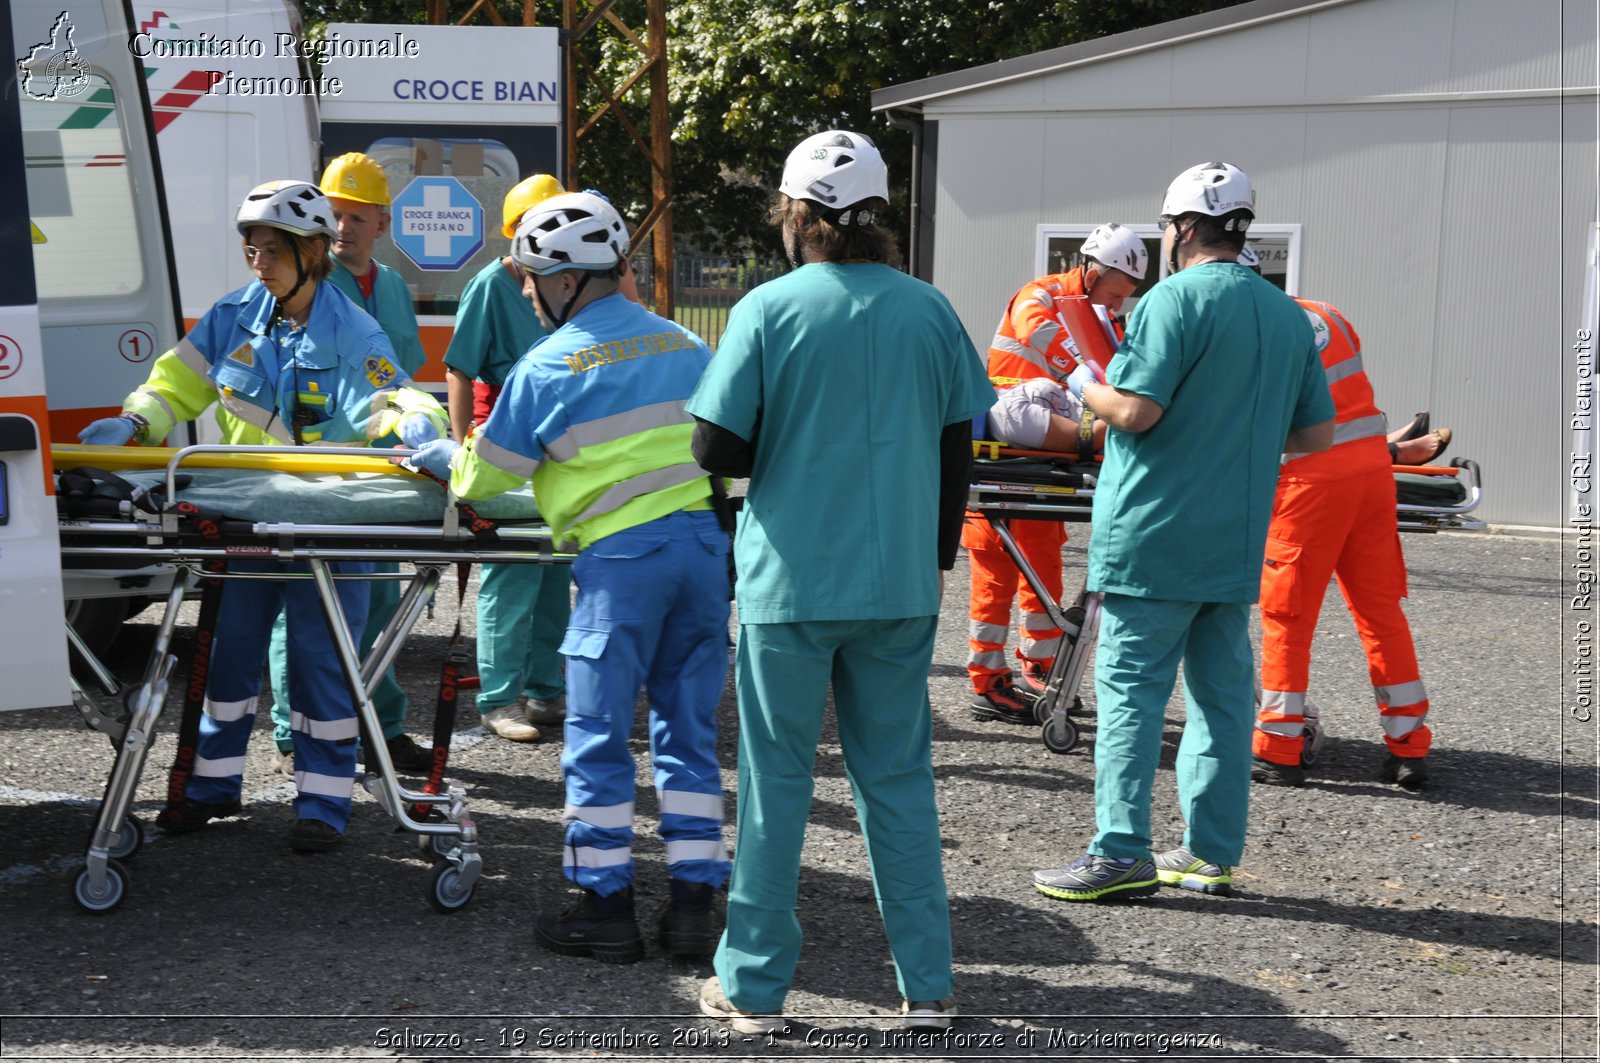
(1335, 515)
(1029, 342)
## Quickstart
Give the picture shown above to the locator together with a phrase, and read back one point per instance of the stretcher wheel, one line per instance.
(116, 889)
(435, 844)
(128, 839)
(1042, 710)
(445, 891)
(1060, 734)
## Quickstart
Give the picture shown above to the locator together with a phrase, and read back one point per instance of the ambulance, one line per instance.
(87, 300)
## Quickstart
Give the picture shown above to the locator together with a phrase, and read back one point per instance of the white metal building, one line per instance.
(1428, 166)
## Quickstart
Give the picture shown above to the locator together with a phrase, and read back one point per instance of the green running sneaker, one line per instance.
(1095, 878)
(1181, 868)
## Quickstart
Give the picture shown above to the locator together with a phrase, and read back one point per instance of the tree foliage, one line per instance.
(750, 78)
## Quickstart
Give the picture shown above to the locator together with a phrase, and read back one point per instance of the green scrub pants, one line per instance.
(1136, 663)
(389, 700)
(879, 673)
(522, 617)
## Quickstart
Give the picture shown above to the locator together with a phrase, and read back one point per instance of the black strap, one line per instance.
(456, 659)
(194, 691)
(1086, 435)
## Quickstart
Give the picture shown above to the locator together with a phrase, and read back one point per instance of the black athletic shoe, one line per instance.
(1410, 773)
(602, 928)
(192, 815)
(687, 926)
(1004, 702)
(314, 836)
(1265, 771)
(406, 755)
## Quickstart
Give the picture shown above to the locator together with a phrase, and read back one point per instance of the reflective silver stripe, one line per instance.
(1008, 344)
(192, 359)
(229, 711)
(221, 768)
(1027, 354)
(1044, 335)
(994, 634)
(256, 417)
(1342, 370)
(501, 458)
(684, 803)
(1284, 702)
(589, 856)
(1337, 322)
(160, 400)
(1360, 428)
(1037, 622)
(1401, 694)
(1400, 726)
(678, 852)
(378, 405)
(989, 660)
(648, 483)
(618, 426)
(1040, 649)
(1284, 728)
(309, 782)
(324, 730)
(606, 817)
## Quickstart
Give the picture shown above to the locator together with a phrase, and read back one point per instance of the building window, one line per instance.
(1278, 247)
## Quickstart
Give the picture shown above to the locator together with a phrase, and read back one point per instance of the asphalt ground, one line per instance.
(1369, 922)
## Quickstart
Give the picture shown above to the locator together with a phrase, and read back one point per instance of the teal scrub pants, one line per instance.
(1136, 663)
(522, 616)
(879, 673)
(389, 700)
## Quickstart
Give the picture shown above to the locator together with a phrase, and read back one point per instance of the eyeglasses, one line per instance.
(1163, 222)
(268, 255)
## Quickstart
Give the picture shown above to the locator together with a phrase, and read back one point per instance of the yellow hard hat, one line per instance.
(525, 194)
(358, 177)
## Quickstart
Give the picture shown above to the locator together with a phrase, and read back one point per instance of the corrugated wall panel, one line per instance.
(1372, 215)
(1379, 47)
(1578, 214)
(1498, 46)
(1497, 305)
(1581, 49)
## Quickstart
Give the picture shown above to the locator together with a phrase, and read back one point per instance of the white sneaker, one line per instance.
(715, 1003)
(283, 762)
(509, 723)
(927, 1014)
(551, 712)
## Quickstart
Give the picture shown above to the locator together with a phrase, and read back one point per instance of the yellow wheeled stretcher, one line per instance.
(1009, 484)
(206, 505)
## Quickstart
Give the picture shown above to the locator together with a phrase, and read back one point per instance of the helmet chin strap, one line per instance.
(1177, 238)
(561, 319)
(791, 247)
(300, 279)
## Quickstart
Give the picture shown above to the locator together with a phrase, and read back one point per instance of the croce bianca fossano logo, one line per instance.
(53, 69)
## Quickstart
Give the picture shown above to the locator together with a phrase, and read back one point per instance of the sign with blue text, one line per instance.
(437, 223)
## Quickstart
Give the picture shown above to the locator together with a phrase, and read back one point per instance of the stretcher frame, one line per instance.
(1010, 483)
(142, 537)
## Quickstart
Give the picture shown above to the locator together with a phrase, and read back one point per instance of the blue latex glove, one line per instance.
(416, 429)
(107, 432)
(1082, 375)
(434, 456)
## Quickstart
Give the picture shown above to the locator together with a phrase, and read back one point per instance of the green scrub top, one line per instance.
(495, 326)
(844, 375)
(1181, 510)
(391, 306)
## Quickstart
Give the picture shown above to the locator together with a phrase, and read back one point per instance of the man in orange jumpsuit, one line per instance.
(1335, 515)
(1032, 342)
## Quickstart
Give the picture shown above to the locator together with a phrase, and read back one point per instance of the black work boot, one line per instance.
(599, 927)
(687, 927)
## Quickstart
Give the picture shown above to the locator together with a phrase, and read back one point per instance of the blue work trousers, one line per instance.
(1141, 643)
(879, 673)
(389, 700)
(522, 614)
(324, 715)
(651, 614)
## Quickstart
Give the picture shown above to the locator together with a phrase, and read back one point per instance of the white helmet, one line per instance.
(1214, 188)
(1249, 259)
(836, 168)
(294, 206)
(575, 230)
(1118, 247)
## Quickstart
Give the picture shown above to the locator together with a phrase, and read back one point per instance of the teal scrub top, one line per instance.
(1181, 510)
(391, 306)
(844, 375)
(495, 326)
